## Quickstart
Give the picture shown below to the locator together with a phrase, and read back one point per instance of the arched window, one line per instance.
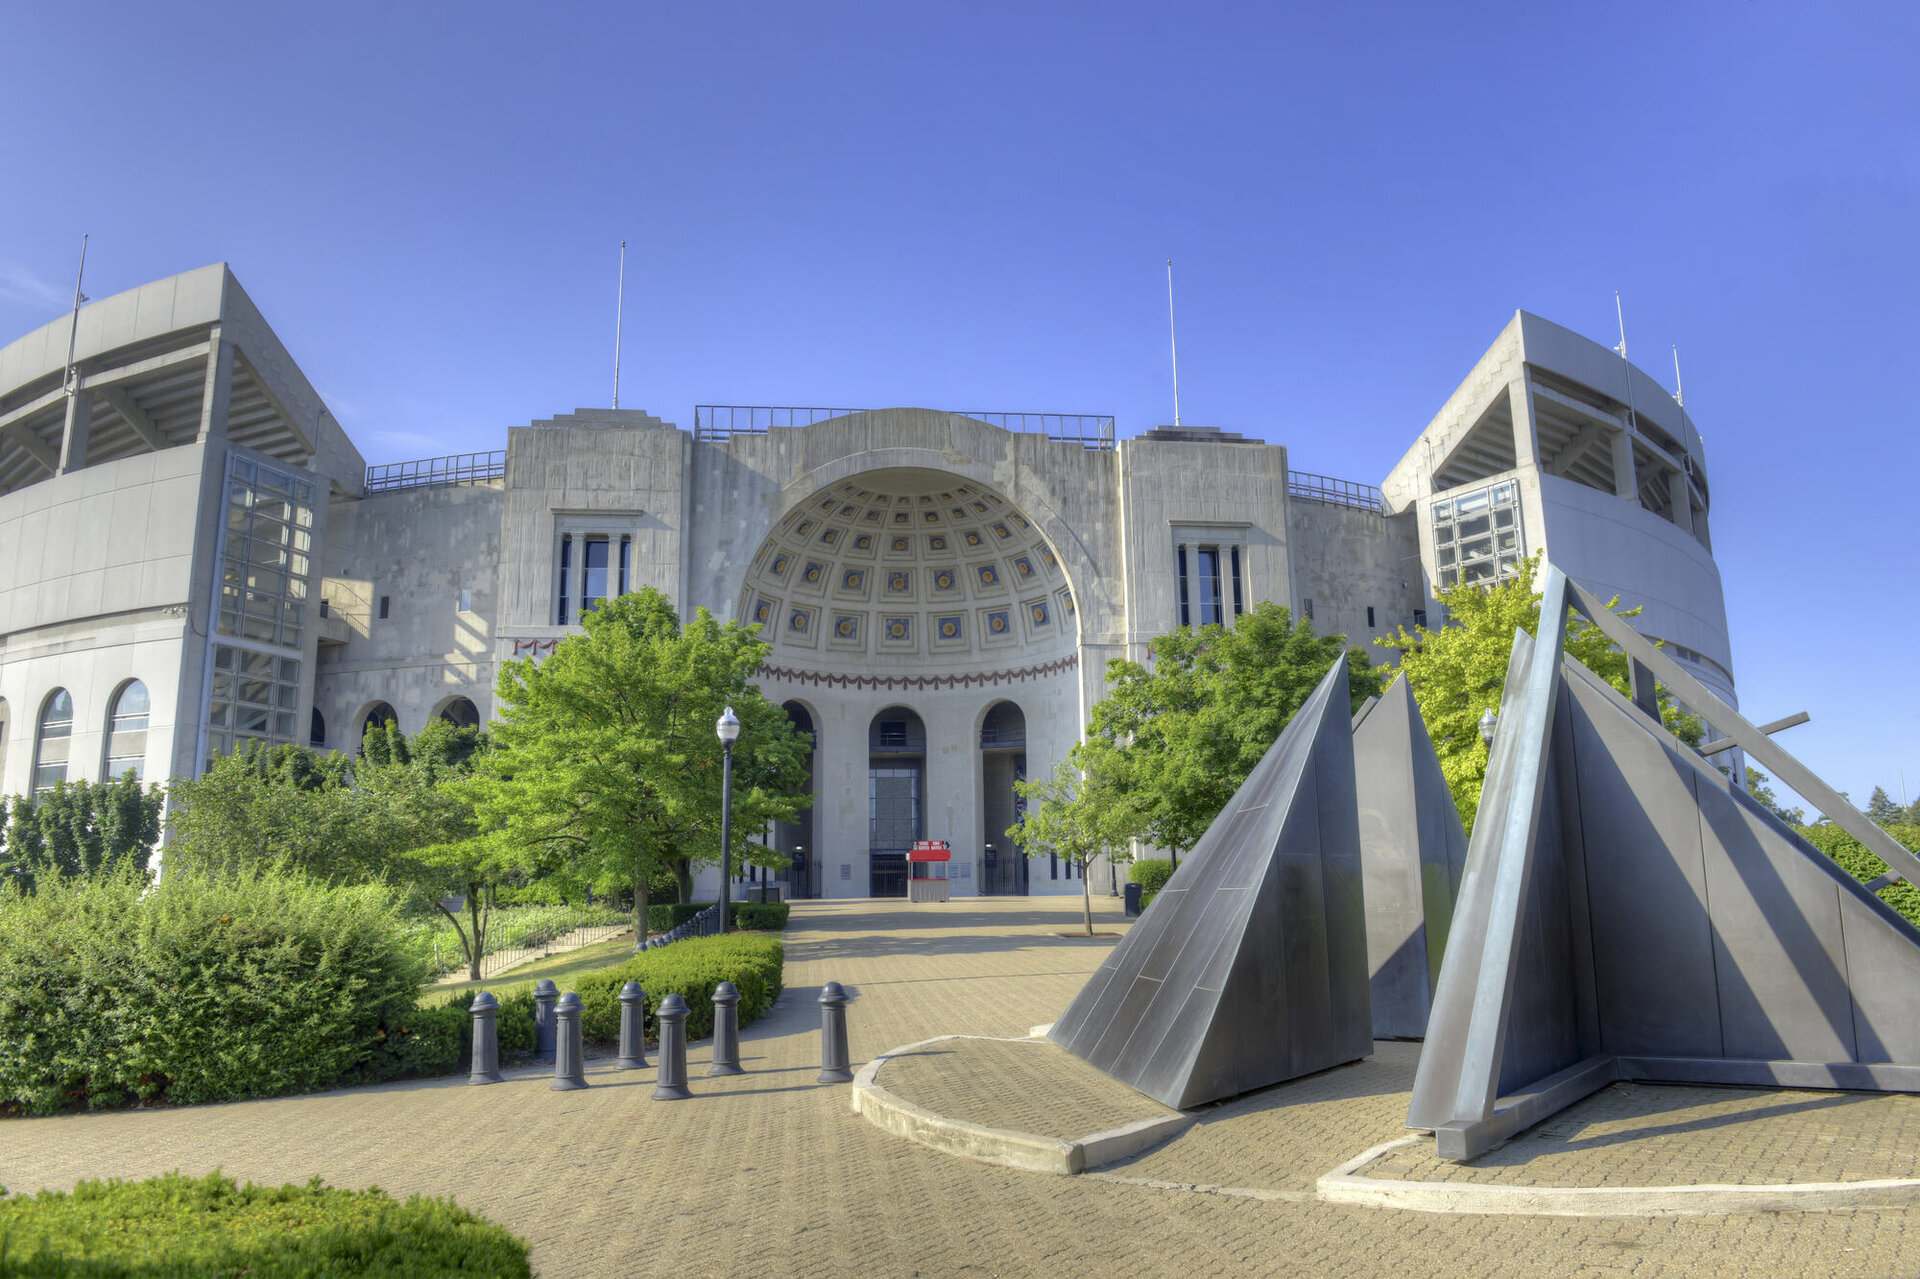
(377, 714)
(54, 742)
(127, 731)
(317, 730)
(461, 713)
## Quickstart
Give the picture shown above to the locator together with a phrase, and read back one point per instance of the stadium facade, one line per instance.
(193, 553)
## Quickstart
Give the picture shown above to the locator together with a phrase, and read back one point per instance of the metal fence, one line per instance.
(1324, 488)
(429, 472)
(720, 422)
(705, 924)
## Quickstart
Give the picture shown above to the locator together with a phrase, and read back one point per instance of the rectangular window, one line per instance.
(1181, 554)
(1306, 609)
(1477, 536)
(384, 603)
(1419, 617)
(466, 599)
(254, 697)
(325, 608)
(1209, 558)
(1369, 617)
(264, 562)
(593, 574)
(1238, 606)
(566, 572)
(626, 558)
(1053, 865)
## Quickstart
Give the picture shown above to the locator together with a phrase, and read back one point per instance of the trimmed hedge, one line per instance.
(175, 1225)
(1854, 858)
(203, 988)
(758, 916)
(1152, 874)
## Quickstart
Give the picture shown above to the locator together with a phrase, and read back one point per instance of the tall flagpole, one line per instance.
(1172, 345)
(73, 332)
(619, 305)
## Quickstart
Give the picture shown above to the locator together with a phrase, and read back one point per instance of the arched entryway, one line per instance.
(1003, 761)
(795, 839)
(896, 797)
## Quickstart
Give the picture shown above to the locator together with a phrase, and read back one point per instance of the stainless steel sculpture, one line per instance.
(1251, 966)
(1627, 913)
(1412, 852)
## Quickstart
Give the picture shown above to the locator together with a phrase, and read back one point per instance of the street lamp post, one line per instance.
(728, 730)
(1488, 722)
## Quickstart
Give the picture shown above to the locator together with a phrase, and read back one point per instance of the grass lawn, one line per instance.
(603, 954)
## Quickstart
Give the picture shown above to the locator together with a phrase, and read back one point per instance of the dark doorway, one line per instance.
(896, 767)
(795, 838)
(1003, 761)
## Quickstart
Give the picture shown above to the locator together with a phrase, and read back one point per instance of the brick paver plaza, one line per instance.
(771, 1174)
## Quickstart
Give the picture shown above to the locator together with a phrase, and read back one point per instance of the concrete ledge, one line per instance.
(1029, 1152)
(1345, 1185)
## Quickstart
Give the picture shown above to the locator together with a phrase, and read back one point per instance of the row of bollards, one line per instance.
(557, 1034)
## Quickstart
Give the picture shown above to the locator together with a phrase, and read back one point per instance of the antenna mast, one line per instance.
(1172, 345)
(72, 383)
(1679, 391)
(619, 305)
(1621, 315)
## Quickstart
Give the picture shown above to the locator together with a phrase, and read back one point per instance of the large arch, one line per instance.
(458, 711)
(896, 796)
(797, 839)
(1001, 760)
(376, 712)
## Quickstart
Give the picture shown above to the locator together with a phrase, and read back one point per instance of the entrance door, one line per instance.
(893, 824)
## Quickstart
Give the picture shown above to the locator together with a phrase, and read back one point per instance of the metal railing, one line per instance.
(705, 924)
(720, 422)
(429, 472)
(1324, 488)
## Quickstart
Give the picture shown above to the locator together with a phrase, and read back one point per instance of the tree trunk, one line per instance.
(639, 909)
(476, 911)
(683, 878)
(1086, 898)
(459, 932)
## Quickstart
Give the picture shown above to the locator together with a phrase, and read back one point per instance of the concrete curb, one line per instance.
(1006, 1147)
(1344, 1185)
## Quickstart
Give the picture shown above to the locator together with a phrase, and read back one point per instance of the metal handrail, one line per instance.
(1324, 488)
(721, 422)
(430, 472)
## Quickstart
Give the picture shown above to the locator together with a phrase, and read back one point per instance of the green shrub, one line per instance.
(1152, 874)
(183, 1226)
(1857, 861)
(206, 988)
(768, 917)
(1146, 900)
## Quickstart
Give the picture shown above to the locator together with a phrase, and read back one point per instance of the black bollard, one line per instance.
(633, 1027)
(672, 1016)
(726, 1030)
(833, 1035)
(486, 1039)
(544, 995)
(570, 1058)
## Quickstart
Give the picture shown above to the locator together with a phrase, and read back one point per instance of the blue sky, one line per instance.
(970, 207)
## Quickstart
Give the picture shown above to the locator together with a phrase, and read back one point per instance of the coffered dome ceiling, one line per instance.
(908, 564)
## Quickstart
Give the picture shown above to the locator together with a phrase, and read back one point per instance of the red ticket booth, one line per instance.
(927, 871)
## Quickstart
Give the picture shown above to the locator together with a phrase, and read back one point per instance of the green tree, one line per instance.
(1760, 790)
(605, 758)
(80, 828)
(1174, 740)
(1458, 672)
(282, 806)
(1882, 809)
(1077, 817)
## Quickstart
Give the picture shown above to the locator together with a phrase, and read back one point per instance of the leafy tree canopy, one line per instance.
(1076, 816)
(1458, 671)
(606, 763)
(79, 828)
(1173, 741)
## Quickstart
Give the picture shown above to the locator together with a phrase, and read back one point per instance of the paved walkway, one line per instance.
(769, 1174)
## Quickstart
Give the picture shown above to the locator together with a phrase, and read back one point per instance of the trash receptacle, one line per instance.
(1133, 900)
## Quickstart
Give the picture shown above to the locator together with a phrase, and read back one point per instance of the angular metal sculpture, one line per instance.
(1412, 852)
(1627, 913)
(1250, 967)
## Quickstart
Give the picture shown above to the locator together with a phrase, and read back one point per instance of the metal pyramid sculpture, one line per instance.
(1627, 913)
(1412, 852)
(1250, 967)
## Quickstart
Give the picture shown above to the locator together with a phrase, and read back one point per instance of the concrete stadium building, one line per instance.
(193, 554)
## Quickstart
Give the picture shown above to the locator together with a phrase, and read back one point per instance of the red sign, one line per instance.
(930, 850)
